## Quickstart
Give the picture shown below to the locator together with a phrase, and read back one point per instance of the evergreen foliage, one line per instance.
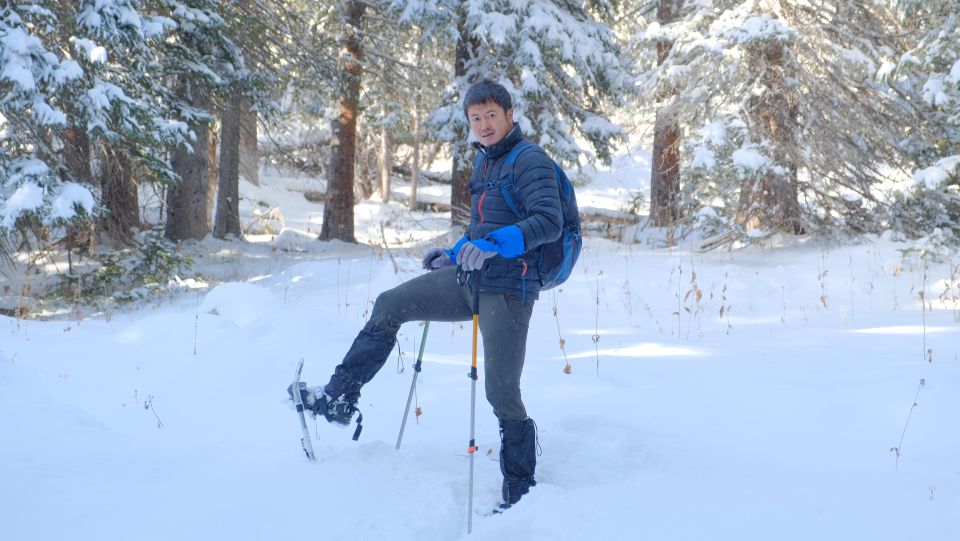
(812, 116)
(781, 96)
(559, 59)
(928, 76)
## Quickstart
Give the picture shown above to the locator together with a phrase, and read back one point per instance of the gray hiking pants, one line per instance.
(436, 296)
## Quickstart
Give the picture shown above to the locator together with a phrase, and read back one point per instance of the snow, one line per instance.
(931, 177)
(764, 410)
(20, 76)
(240, 303)
(595, 124)
(749, 158)
(703, 157)
(496, 27)
(71, 196)
(94, 53)
(26, 198)
(103, 94)
(17, 41)
(886, 68)
(754, 28)
(156, 26)
(954, 76)
(68, 70)
(934, 91)
(48, 116)
(715, 133)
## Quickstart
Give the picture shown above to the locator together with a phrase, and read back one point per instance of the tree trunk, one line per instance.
(118, 186)
(213, 173)
(460, 149)
(415, 155)
(76, 154)
(771, 201)
(249, 153)
(338, 211)
(227, 222)
(385, 164)
(187, 201)
(665, 174)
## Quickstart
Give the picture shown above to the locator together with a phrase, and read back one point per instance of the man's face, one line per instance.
(489, 122)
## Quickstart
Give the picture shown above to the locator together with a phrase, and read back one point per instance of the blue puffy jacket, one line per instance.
(540, 219)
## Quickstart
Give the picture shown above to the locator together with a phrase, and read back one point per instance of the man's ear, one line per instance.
(510, 116)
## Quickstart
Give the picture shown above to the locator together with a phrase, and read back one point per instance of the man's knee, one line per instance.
(506, 402)
(384, 307)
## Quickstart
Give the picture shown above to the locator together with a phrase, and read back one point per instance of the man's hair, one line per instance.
(486, 91)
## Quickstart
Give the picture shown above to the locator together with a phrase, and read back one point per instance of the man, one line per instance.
(503, 248)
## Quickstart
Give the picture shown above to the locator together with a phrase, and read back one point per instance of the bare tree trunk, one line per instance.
(76, 153)
(213, 172)
(665, 174)
(460, 149)
(338, 211)
(385, 164)
(249, 153)
(367, 173)
(771, 202)
(118, 186)
(187, 201)
(415, 157)
(415, 154)
(431, 155)
(227, 222)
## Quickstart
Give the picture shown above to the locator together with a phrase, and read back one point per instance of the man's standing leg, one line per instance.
(504, 321)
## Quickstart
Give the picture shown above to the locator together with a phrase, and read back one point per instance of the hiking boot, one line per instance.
(338, 410)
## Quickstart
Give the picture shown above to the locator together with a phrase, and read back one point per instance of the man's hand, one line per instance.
(472, 256)
(436, 258)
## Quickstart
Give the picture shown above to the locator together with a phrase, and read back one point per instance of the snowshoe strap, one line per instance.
(356, 433)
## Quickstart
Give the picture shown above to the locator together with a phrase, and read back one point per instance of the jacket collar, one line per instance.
(496, 150)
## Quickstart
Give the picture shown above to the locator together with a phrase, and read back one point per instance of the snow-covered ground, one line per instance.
(763, 408)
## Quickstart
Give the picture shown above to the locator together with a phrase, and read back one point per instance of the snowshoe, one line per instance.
(340, 410)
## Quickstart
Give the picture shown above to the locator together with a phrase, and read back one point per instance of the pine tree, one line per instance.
(34, 80)
(338, 211)
(665, 170)
(930, 73)
(928, 76)
(558, 58)
(405, 72)
(201, 59)
(115, 106)
(250, 26)
(783, 128)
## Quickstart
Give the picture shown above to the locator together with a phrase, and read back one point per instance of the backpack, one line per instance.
(557, 258)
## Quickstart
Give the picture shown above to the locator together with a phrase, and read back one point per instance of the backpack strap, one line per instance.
(507, 184)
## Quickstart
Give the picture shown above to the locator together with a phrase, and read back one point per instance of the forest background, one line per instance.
(126, 125)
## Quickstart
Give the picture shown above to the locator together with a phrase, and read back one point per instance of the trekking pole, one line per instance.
(471, 450)
(413, 385)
